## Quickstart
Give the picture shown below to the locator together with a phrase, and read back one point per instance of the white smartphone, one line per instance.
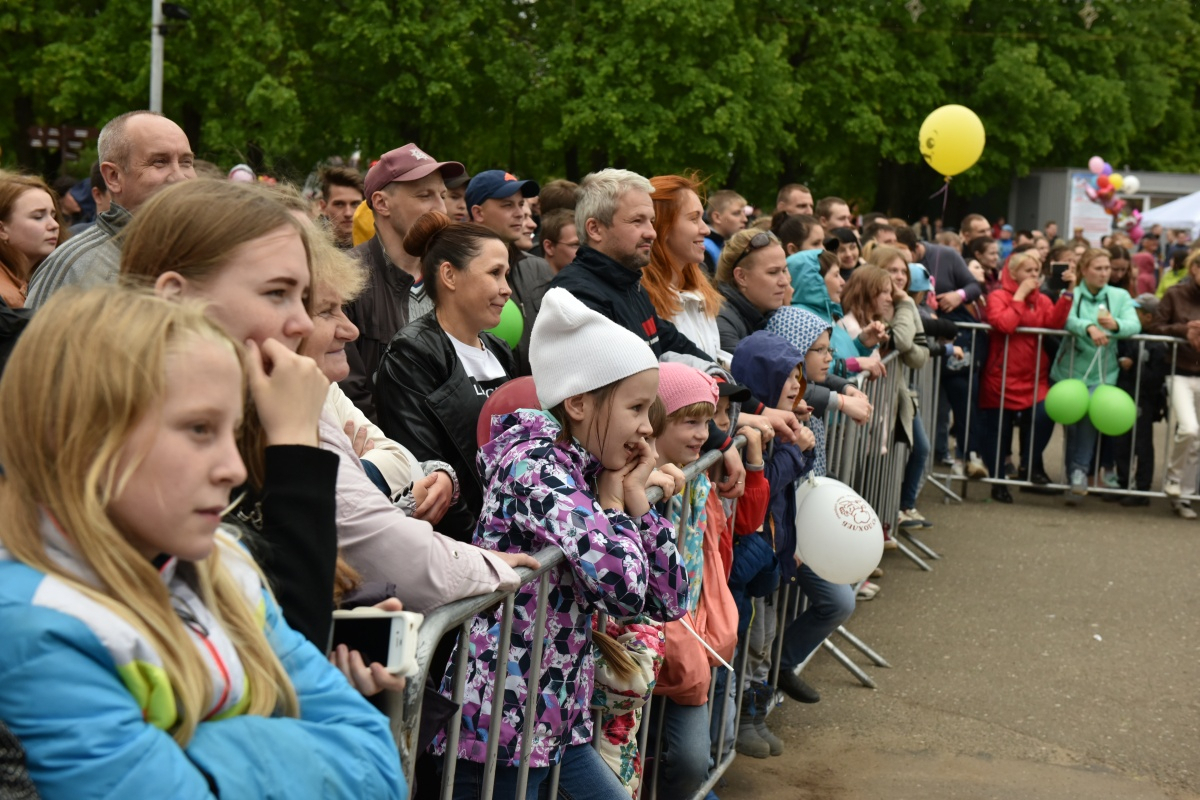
(386, 637)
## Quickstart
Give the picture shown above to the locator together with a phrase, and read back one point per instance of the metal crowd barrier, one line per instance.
(932, 393)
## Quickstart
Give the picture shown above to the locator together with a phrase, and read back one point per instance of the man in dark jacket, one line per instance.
(615, 240)
(402, 186)
(496, 200)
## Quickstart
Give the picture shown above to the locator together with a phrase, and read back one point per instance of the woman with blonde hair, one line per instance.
(31, 226)
(674, 280)
(144, 655)
(242, 251)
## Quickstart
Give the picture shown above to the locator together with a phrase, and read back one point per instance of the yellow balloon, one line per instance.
(952, 139)
(1116, 180)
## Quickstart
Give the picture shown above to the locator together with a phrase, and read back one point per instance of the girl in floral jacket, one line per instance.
(572, 476)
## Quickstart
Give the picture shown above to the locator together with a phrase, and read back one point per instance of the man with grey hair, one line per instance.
(140, 153)
(614, 218)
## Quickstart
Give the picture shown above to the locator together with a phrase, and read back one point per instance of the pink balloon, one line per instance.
(1096, 165)
(1092, 195)
(1117, 206)
(1136, 233)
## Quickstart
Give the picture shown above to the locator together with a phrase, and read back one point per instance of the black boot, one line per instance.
(1000, 493)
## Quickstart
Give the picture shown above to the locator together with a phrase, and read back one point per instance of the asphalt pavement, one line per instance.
(1053, 652)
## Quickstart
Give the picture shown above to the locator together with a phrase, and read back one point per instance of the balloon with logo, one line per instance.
(512, 324)
(838, 534)
(1067, 401)
(1112, 411)
(809, 483)
(952, 139)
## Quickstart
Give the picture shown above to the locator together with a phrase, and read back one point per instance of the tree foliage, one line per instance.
(752, 93)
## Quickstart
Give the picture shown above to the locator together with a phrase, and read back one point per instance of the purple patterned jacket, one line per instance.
(539, 494)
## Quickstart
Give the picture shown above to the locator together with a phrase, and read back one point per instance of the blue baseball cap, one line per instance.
(495, 184)
(918, 278)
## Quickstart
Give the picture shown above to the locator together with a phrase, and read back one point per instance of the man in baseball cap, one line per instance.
(496, 199)
(401, 186)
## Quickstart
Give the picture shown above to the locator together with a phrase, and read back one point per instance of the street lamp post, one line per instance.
(156, 55)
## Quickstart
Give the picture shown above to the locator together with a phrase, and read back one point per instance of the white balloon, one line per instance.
(838, 534)
(1131, 185)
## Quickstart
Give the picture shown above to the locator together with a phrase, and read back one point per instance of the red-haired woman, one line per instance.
(31, 226)
(675, 281)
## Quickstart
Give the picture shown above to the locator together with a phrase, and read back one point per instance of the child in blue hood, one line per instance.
(829, 604)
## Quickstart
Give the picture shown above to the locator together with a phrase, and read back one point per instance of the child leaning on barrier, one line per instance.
(1016, 375)
(689, 399)
(143, 655)
(1100, 315)
(1145, 367)
(573, 476)
(770, 366)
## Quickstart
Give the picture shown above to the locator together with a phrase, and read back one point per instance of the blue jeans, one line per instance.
(583, 775)
(683, 764)
(914, 470)
(829, 605)
(1081, 444)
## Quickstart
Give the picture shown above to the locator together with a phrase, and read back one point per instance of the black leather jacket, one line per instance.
(426, 401)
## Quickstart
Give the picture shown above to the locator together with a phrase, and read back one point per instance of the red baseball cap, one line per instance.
(407, 163)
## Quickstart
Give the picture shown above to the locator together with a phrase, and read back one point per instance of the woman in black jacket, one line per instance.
(438, 371)
(240, 249)
(753, 277)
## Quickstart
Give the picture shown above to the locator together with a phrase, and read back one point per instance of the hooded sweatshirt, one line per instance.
(809, 292)
(801, 328)
(763, 362)
(539, 493)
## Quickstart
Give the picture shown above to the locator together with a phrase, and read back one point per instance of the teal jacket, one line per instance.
(1077, 352)
(809, 292)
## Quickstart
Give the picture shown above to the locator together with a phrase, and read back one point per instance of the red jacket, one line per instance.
(1005, 315)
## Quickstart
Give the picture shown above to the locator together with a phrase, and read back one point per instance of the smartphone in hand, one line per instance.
(385, 637)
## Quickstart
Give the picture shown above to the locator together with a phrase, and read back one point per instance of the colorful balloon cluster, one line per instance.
(1104, 184)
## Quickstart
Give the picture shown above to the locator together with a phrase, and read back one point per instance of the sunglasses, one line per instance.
(757, 242)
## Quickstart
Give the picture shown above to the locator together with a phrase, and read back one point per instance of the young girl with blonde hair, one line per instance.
(144, 657)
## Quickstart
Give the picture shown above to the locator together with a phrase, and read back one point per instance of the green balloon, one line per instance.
(512, 324)
(1112, 410)
(1067, 401)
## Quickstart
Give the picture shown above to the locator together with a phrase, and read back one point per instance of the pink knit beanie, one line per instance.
(680, 385)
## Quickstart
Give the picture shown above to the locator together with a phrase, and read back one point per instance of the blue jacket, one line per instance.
(809, 292)
(80, 689)
(762, 363)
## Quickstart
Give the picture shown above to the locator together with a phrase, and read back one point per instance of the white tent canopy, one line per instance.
(1182, 213)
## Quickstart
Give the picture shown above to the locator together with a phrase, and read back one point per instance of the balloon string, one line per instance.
(945, 193)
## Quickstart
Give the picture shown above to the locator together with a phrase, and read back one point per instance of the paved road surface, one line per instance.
(1053, 653)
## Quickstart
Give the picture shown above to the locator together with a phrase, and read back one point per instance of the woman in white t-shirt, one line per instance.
(439, 370)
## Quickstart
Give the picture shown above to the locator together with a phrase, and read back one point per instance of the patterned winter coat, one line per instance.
(540, 494)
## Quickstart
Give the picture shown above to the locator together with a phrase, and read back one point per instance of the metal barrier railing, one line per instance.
(994, 461)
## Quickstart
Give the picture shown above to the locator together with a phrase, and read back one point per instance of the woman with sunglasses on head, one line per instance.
(753, 278)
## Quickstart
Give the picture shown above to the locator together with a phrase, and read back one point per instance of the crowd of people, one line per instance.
(242, 408)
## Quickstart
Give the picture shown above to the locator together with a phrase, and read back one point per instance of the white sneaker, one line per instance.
(1079, 482)
(1172, 488)
(911, 519)
(957, 470)
(1184, 510)
(975, 467)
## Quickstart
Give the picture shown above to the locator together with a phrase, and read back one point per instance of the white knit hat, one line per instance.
(574, 350)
